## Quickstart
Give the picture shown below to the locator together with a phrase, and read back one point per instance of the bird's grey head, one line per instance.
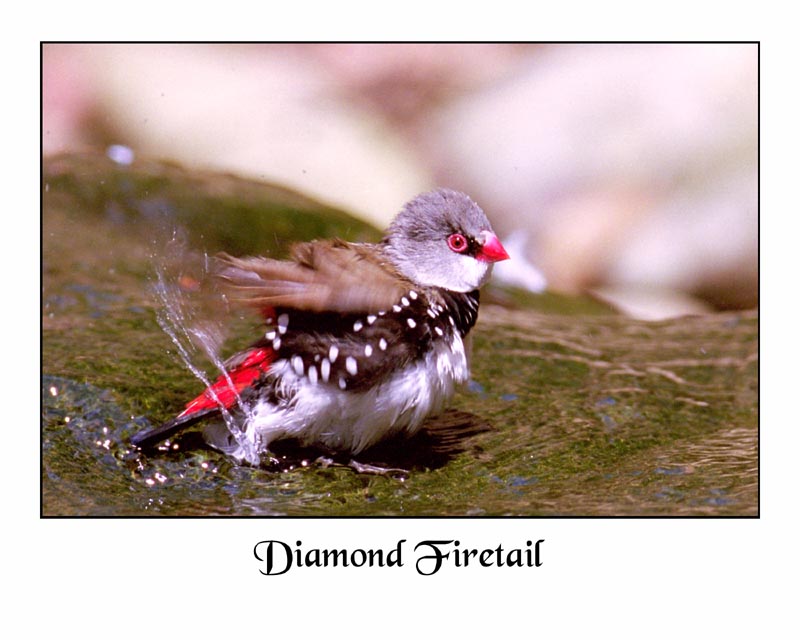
(443, 239)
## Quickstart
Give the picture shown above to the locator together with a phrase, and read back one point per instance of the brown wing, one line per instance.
(325, 275)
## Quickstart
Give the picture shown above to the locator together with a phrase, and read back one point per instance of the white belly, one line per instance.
(352, 421)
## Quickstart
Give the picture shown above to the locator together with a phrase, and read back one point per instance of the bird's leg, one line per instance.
(362, 467)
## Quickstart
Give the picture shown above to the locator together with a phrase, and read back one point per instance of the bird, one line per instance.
(361, 342)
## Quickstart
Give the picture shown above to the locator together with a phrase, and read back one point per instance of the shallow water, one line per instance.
(572, 410)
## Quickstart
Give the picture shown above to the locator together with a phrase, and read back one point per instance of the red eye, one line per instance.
(457, 243)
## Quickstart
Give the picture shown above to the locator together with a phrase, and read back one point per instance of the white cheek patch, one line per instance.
(475, 274)
(466, 274)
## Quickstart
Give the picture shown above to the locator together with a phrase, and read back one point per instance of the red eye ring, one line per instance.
(457, 243)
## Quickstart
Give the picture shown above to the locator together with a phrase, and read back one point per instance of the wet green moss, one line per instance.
(581, 411)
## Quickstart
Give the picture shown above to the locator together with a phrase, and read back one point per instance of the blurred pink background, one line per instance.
(626, 171)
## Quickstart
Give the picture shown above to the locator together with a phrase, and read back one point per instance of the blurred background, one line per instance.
(628, 172)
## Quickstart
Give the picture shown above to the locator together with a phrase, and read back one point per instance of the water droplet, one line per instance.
(120, 154)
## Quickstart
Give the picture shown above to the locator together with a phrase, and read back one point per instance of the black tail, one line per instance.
(149, 439)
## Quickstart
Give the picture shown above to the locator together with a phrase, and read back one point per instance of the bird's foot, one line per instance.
(363, 467)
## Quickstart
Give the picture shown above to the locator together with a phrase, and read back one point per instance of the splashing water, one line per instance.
(177, 317)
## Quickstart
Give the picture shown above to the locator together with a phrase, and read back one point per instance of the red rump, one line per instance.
(226, 389)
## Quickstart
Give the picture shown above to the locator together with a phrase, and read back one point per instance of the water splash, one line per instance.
(177, 315)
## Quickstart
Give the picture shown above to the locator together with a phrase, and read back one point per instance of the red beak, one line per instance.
(492, 250)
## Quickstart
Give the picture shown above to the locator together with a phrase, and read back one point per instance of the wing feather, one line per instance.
(321, 276)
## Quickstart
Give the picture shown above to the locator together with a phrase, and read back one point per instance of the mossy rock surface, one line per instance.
(573, 410)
